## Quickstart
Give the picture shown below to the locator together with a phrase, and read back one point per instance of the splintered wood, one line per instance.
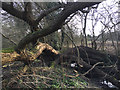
(8, 57)
(42, 46)
(26, 55)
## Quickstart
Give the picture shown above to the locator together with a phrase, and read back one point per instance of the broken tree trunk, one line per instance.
(95, 55)
(100, 74)
(91, 73)
(27, 56)
(90, 58)
(87, 65)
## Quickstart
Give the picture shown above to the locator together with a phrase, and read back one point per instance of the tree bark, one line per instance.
(54, 24)
(93, 73)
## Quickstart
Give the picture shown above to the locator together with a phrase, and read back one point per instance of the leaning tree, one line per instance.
(34, 19)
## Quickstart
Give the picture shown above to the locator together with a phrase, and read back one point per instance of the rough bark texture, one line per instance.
(54, 24)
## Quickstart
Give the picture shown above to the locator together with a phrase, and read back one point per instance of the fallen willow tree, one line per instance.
(95, 64)
(92, 63)
(27, 56)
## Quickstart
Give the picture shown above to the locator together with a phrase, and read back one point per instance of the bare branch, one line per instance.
(54, 25)
(46, 12)
(28, 11)
(69, 19)
(8, 39)
(9, 8)
(92, 68)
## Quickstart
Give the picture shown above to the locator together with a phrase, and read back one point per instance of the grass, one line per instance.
(8, 50)
(40, 77)
(45, 77)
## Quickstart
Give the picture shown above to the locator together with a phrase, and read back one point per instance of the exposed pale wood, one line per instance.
(8, 57)
(26, 56)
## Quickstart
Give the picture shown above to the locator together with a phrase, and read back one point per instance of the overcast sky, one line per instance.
(100, 10)
(107, 4)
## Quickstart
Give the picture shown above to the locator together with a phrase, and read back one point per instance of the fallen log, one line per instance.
(91, 61)
(9, 57)
(93, 73)
(89, 53)
(27, 56)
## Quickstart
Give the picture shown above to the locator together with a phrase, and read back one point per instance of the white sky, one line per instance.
(99, 26)
(100, 9)
(107, 4)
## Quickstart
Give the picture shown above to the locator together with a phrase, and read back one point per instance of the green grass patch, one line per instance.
(8, 50)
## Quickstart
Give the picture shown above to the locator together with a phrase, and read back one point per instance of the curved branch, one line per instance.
(54, 24)
(46, 12)
(8, 39)
(92, 68)
(9, 8)
(23, 15)
(27, 14)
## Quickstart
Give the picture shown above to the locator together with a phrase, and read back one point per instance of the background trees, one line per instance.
(26, 14)
(23, 18)
(64, 25)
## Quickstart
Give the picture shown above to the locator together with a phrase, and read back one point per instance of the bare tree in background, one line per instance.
(27, 15)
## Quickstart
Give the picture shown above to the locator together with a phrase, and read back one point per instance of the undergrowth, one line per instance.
(39, 76)
(44, 77)
(8, 50)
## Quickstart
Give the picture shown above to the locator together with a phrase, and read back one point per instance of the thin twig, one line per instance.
(28, 85)
(92, 68)
(38, 76)
(73, 44)
(8, 38)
